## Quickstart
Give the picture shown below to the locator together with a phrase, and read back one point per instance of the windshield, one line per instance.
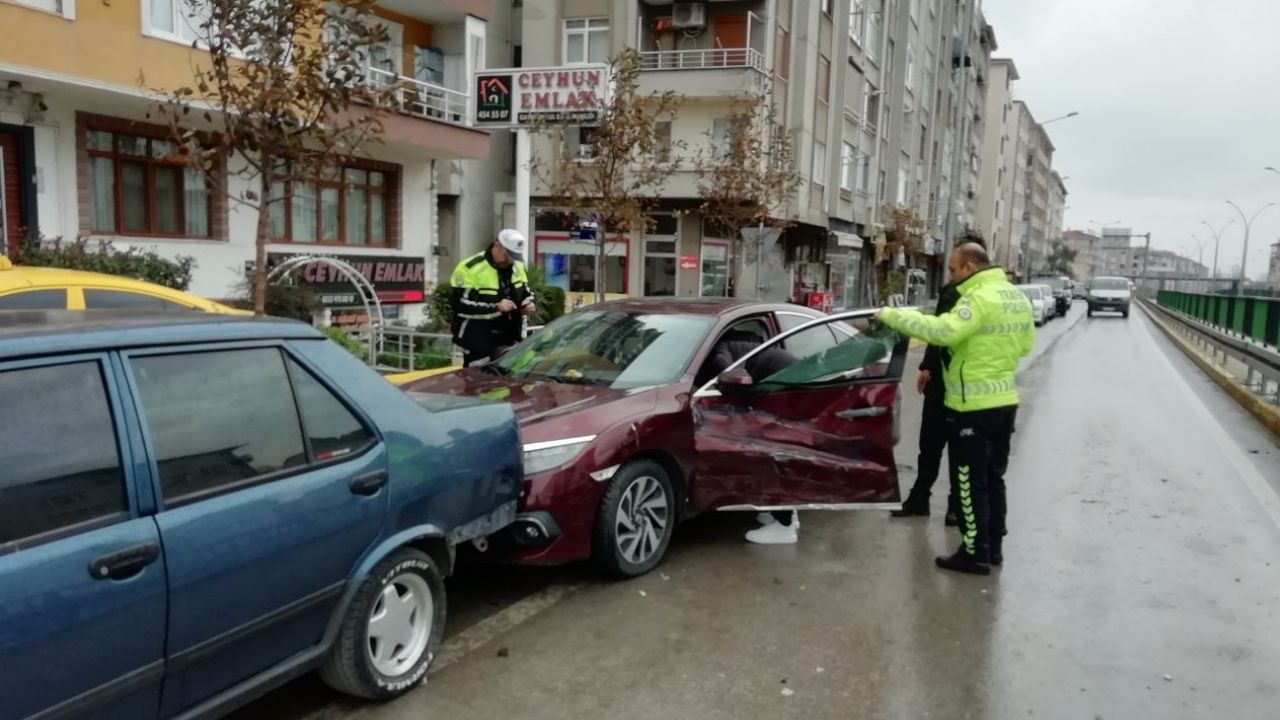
(1110, 284)
(614, 348)
(1056, 283)
(1032, 292)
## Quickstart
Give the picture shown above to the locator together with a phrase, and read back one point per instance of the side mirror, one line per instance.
(734, 382)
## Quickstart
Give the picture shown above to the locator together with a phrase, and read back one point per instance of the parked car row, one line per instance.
(199, 507)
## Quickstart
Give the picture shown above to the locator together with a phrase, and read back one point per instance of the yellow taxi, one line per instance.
(40, 288)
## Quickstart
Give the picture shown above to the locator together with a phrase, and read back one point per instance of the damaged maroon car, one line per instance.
(637, 414)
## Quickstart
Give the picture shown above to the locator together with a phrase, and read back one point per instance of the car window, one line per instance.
(119, 300)
(1110, 284)
(863, 353)
(35, 300)
(609, 347)
(58, 451)
(219, 418)
(332, 431)
(809, 342)
(749, 332)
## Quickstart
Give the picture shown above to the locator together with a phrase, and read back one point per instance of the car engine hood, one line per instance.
(545, 410)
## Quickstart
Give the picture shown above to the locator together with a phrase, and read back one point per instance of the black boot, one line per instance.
(963, 562)
(997, 548)
(913, 507)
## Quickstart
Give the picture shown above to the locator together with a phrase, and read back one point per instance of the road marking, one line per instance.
(483, 632)
(1262, 490)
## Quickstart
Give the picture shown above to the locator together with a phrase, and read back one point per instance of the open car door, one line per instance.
(817, 434)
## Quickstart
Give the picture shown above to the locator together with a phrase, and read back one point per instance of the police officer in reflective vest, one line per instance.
(988, 332)
(491, 296)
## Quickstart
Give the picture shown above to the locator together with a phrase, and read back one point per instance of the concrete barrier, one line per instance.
(1256, 405)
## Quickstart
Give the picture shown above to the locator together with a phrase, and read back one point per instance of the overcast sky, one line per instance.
(1179, 104)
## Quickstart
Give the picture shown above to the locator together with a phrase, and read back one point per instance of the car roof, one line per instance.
(694, 306)
(44, 332)
(14, 277)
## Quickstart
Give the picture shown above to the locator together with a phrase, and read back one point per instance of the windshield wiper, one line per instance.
(495, 369)
(566, 380)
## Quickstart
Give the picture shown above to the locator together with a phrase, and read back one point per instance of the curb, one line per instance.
(1265, 412)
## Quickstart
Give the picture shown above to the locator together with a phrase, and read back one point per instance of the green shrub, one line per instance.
(102, 257)
(348, 343)
(287, 301)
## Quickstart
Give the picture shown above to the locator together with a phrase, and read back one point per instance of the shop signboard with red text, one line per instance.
(523, 97)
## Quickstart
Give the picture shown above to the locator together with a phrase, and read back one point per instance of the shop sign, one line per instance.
(520, 97)
(848, 240)
(688, 262)
(395, 278)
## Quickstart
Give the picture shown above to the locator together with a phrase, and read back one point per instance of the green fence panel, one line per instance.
(1257, 318)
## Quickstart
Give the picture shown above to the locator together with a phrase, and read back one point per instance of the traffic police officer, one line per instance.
(490, 297)
(988, 332)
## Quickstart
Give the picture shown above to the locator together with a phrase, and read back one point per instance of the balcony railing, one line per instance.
(709, 59)
(422, 99)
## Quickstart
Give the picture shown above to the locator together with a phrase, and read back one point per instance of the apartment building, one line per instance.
(883, 101)
(78, 80)
(1088, 250)
(996, 183)
(1027, 229)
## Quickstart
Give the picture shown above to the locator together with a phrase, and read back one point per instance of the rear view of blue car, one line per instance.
(196, 509)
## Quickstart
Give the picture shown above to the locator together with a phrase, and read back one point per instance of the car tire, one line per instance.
(358, 664)
(635, 520)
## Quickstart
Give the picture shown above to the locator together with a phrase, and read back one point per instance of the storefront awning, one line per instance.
(848, 240)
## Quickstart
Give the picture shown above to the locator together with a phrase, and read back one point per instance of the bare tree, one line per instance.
(287, 90)
(747, 177)
(621, 165)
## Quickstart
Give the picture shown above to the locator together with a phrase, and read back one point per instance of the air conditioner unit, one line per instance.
(689, 16)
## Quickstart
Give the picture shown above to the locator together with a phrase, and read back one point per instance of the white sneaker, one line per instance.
(774, 533)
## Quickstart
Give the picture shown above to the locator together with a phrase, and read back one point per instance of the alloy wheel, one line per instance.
(400, 624)
(642, 519)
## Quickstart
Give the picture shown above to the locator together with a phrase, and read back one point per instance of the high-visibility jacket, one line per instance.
(988, 332)
(477, 290)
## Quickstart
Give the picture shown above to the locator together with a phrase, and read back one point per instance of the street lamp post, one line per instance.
(1200, 245)
(1217, 239)
(1248, 224)
(1272, 169)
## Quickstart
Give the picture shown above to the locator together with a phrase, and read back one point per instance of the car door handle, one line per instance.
(369, 483)
(866, 412)
(124, 563)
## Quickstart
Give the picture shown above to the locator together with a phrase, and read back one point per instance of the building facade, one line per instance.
(882, 100)
(94, 164)
(1273, 269)
(995, 190)
(1088, 254)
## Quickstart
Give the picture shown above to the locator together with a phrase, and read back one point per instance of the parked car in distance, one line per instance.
(23, 287)
(1040, 302)
(632, 421)
(1051, 304)
(1079, 290)
(1061, 291)
(1110, 294)
(197, 508)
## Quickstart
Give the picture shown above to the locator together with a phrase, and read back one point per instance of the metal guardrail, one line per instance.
(422, 99)
(1211, 322)
(708, 59)
(1253, 318)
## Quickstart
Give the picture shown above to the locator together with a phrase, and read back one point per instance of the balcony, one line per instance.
(724, 59)
(422, 99)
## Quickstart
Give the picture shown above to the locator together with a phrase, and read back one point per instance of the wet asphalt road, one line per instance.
(1141, 580)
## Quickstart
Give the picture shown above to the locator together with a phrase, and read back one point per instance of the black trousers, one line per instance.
(933, 440)
(482, 339)
(979, 459)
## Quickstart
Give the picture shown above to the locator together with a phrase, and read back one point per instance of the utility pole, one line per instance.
(1248, 224)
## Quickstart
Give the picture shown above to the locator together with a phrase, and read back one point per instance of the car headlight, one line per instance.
(543, 456)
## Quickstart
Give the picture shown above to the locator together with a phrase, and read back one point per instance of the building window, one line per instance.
(824, 79)
(873, 32)
(581, 143)
(782, 54)
(586, 41)
(175, 19)
(350, 205)
(143, 186)
(819, 163)
(857, 13)
(848, 163)
(864, 173)
(911, 65)
(662, 140)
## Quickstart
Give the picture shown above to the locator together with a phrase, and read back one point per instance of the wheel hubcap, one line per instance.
(643, 514)
(400, 624)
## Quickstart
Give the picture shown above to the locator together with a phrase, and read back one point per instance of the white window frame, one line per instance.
(820, 169)
(180, 23)
(65, 8)
(848, 162)
(591, 25)
(857, 16)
